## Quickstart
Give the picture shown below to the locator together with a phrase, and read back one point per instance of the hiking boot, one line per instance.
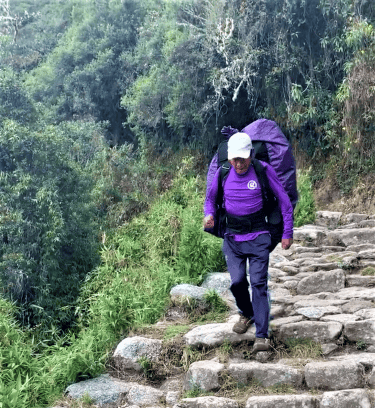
(261, 344)
(242, 325)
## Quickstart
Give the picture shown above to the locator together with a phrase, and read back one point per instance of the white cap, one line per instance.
(239, 145)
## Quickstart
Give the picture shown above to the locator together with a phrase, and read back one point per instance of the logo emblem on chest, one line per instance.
(252, 185)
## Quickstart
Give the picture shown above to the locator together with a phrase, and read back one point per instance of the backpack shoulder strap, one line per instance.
(222, 153)
(224, 171)
(267, 194)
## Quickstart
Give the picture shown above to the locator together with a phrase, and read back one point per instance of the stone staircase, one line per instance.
(323, 295)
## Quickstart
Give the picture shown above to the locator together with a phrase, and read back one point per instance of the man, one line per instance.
(247, 236)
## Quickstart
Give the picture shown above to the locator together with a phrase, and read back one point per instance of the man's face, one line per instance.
(240, 165)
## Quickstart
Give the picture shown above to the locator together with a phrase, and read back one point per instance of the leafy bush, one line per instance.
(47, 225)
(305, 209)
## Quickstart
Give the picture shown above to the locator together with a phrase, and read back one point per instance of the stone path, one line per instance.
(322, 289)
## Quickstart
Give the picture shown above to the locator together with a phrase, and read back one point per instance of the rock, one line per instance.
(341, 318)
(282, 401)
(356, 304)
(331, 281)
(207, 402)
(204, 375)
(345, 399)
(318, 312)
(356, 292)
(352, 236)
(328, 218)
(131, 349)
(334, 375)
(189, 291)
(310, 233)
(219, 281)
(328, 348)
(277, 323)
(353, 217)
(366, 314)
(266, 374)
(142, 395)
(103, 389)
(363, 330)
(359, 280)
(215, 334)
(322, 332)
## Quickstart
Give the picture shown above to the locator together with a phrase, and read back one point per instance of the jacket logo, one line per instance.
(252, 185)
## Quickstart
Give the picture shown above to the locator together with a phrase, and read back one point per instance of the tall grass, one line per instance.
(305, 211)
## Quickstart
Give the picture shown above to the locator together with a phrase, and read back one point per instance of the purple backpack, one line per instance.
(270, 145)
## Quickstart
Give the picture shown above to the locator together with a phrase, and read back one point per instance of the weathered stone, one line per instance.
(345, 399)
(363, 330)
(310, 233)
(334, 375)
(352, 236)
(185, 290)
(366, 314)
(291, 284)
(219, 281)
(341, 318)
(103, 389)
(367, 254)
(356, 292)
(330, 281)
(359, 280)
(207, 402)
(328, 218)
(318, 312)
(322, 332)
(360, 247)
(317, 267)
(215, 334)
(329, 348)
(356, 304)
(266, 374)
(277, 323)
(314, 302)
(307, 250)
(353, 217)
(204, 375)
(143, 395)
(282, 401)
(129, 351)
(292, 270)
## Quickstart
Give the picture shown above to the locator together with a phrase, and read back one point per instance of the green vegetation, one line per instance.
(368, 271)
(109, 114)
(303, 349)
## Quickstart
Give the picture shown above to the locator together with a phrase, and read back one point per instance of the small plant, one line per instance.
(147, 367)
(224, 351)
(303, 348)
(194, 392)
(174, 331)
(368, 271)
(361, 345)
(215, 302)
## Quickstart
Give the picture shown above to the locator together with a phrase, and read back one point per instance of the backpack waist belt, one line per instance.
(248, 223)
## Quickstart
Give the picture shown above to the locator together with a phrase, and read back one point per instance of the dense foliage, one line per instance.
(109, 113)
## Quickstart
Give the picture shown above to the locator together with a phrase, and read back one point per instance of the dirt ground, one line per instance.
(362, 200)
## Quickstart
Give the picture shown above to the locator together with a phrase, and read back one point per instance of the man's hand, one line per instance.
(286, 243)
(208, 221)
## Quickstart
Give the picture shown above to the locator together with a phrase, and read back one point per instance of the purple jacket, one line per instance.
(243, 196)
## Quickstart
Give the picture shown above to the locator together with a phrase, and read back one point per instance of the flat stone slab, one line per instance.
(103, 389)
(345, 399)
(204, 375)
(219, 281)
(282, 401)
(363, 330)
(334, 375)
(187, 290)
(215, 334)
(207, 402)
(330, 281)
(277, 323)
(266, 374)
(357, 292)
(365, 314)
(352, 236)
(318, 312)
(341, 318)
(142, 395)
(322, 332)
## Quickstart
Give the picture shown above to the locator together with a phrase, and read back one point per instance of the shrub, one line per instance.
(305, 209)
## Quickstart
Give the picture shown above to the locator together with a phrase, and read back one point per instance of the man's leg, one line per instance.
(258, 270)
(236, 263)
